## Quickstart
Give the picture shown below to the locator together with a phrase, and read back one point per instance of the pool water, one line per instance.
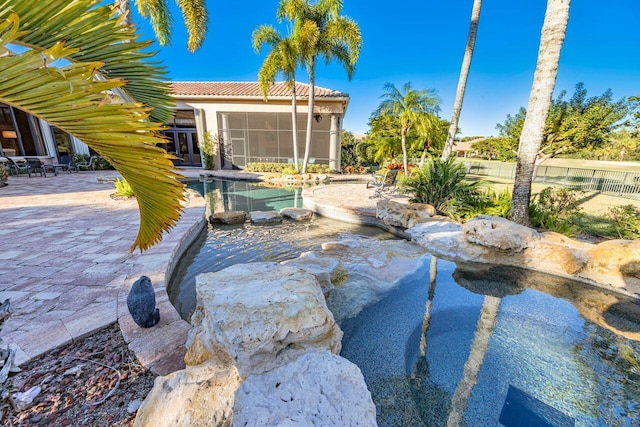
(222, 246)
(461, 346)
(454, 344)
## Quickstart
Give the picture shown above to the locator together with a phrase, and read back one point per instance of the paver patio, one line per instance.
(66, 266)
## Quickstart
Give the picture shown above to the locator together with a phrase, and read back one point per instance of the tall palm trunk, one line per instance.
(544, 80)
(124, 8)
(462, 80)
(294, 124)
(312, 95)
(405, 162)
(479, 346)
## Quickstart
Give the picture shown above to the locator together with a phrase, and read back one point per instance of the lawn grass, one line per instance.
(595, 206)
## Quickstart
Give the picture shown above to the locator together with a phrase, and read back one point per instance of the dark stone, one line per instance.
(141, 302)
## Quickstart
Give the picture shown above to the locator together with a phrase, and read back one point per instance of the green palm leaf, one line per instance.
(98, 36)
(48, 81)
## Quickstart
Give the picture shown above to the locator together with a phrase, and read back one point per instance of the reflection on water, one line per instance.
(446, 352)
(222, 246)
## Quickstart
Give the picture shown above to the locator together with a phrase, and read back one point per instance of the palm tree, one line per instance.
(407, 107)
(462, 80)
(321, 31)
(432, 131)
(554, 29)
(283, 57)
(194, 13)
(75, 68)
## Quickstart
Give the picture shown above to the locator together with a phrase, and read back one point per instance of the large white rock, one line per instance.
(498, 233)
(197, 396)
(404, 215)
(318, 389)
(262, 315)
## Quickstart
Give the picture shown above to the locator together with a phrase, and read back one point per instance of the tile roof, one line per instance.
(247, 89)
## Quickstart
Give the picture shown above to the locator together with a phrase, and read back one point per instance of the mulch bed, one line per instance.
(94, 381)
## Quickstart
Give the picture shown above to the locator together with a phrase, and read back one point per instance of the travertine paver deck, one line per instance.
(347, 202)
(65, 264)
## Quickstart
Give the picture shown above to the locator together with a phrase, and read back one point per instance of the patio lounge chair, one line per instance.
(36, 165)
(384, 185)
(90, 165)
(64, 164)
(18, 165)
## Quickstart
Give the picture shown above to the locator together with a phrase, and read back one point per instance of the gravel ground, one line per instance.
(95, 381)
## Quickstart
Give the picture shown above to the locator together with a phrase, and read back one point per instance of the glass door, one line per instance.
(184, 145)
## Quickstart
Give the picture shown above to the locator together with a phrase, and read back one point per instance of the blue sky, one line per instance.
(422, 42)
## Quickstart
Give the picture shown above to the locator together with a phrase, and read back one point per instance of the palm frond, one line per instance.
(160, 16)
(97, 35)
(196, 20)
(76, 98)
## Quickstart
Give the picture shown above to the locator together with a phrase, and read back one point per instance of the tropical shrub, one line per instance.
(80, 158)
(4, 176)
(442, 184)
(626, 221)
(557, 209)
(208, 146)
(102, 164)
(285, 168)
(354, 170)
(488, 202)
(123, 189)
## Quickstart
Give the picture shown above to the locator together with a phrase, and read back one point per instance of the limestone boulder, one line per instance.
(198, 396)
(442, 238)
(262, 315)
(327, 270)
(265, 217)
(317, 389)
(404, 215)
(550, 256)
(233, 217)
(297, 214)
(498, 241)
(615, 263)
(498, 233)
(368, 269)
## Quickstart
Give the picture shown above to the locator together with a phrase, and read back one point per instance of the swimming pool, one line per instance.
(454, 344)
(222, 246)
(481, 346)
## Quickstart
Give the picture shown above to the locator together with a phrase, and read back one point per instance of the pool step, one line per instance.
(261, 217)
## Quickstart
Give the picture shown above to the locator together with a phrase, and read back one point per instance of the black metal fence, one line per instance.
(615, 183)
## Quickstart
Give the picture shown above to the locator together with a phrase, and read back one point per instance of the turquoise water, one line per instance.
(534, 359)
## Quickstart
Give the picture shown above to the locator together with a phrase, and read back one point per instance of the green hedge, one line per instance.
(285, 168)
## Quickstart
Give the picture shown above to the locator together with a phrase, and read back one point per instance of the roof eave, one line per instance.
(258, 98)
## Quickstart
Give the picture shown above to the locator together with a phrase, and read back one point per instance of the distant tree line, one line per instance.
(597, 127)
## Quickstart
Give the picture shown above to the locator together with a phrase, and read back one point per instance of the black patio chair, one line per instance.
(36, 166)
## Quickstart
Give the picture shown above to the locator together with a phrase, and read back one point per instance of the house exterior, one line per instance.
(24, 135)
(246, 128)
(249, 129)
